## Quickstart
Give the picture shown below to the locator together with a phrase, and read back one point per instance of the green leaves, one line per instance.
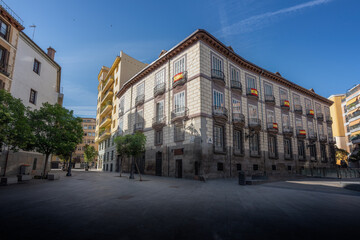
(130, 145)
(90, 153)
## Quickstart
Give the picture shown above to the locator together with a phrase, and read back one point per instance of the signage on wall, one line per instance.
(178, 76)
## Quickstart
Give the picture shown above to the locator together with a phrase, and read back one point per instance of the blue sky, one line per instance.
(314, 43)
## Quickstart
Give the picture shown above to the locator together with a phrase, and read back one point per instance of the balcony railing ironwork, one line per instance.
(312, 136)
(180, 79)
(272, 127)
(322, 138)
(236, 85)
(159, 89)
(310, 113)
(252, 92)
(329, 120)
(218, 75)
(298, 109)
(285, 104)
(158, 121)
(139, 100)
(238, 119)
(270, 99)
(288, 130)
(179, 114)
(320, 117)
(301, 133)
(138, 126)
(220, 112)
(254, 123)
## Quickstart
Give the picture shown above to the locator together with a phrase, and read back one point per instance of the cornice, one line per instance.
(10, 19)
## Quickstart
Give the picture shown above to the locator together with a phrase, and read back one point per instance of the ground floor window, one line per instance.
(273, 167)
(179, 133)
(34, 164)
(220, 166)
(287, 148)
(254, 145)
(255, 167)
(289, 168)
(196, 168)
(219, 138)
(301, 150)
(111, 167)
(238, 167)
(158, 137)
(272, 146)
(312, 148)
(323, 152)
(107, 167)
(238, 142)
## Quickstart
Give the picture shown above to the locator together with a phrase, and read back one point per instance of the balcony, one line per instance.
(105, 108)
(270, 99)
(310, 113)
(159, 89)
(300, 133)
(236, 85)
(139, 126)
(322, 138)
(218, 75)
(121, 112)
(312, 137)
(255, 124)
(238, 152)
(158, 122)
(285, 104)
(238, 119)
(179, 114)
(332, 140)
(139, 100)
(103, 134)
(298, 109)
(252, 93)
(106, 121)
(220, 114)
(107, 96)
(288, 131)
(272, 128)
(320, 117)
(108, 83)
(329, 120)
(179, 79)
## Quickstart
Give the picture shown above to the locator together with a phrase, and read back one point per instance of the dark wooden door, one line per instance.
(178, 168)
(158, 167)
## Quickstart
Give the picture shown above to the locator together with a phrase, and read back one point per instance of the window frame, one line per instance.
(221, 147)
(36, 66)
(32, 91)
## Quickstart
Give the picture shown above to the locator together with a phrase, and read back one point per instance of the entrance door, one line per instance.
(178, 168)
(158, 166)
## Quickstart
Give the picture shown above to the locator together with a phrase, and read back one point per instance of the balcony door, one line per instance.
(218, 99)
(179, 100)
(159, 111)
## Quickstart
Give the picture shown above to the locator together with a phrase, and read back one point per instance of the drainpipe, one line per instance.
(169, 118)
(230, 114)
(262, 117)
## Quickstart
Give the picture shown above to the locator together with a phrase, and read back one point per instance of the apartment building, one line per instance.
(10, 26)
(207, 111)
(89, 127)
(110, 81)
(338, 126)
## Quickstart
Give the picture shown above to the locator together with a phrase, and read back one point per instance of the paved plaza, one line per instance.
(96, 205)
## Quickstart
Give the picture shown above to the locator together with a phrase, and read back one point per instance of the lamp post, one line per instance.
(68, 174)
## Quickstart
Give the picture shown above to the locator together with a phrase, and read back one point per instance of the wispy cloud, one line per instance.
(257, 21)
(83, 111)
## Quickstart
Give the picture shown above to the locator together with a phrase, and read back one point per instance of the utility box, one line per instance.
(24, 169)
(242, 180)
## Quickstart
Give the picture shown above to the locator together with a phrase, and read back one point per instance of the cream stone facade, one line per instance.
(208, 112)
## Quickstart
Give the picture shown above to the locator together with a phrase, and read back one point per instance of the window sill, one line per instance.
(255, 156)
(275, 158)
(222, 152)
(238, 154)
(290, 158)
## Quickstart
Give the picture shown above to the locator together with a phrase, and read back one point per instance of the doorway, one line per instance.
(178, 168)
(158, 164)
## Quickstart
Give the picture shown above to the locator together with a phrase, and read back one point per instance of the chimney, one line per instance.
(51, 52)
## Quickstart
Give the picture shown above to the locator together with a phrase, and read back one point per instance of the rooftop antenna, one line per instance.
(33, 26)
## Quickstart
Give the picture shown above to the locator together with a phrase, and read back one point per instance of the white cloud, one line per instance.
(83, 111)
(257, 21)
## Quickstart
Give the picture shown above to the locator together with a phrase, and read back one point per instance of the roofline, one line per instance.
(337, 95)
(13, 21)
(203, 35)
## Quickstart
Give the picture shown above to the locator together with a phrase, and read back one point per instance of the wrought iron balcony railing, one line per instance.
(218, 75)
(179, 114)
(298, 109)
(220, 112)
(270, 99)
(288, 130)
(180, 79)
(159, 89)
(320, 117)
(139, 100)
(236, 85)
(322, 138)
(238, 119)
(255, 123)
(139, 126)
(159, 121)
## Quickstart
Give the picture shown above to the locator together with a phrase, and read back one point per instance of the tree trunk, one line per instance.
(138, 169)
(69, 168)
(45, 164)
(132, 169)
(120, 165)
(6, 161)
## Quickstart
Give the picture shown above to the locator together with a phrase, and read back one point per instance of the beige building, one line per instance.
(337, 114)
(207, 111)
(89, 127)
(10, 26)
(110, 81)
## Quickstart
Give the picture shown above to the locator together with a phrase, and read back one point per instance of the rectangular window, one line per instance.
(318, 108)
(158, 137)
(272, 146)
(217, 65)
(220, 166)
(329, 130)
(219, 138)
(4, 57)
(273, 167)
(268, 90)
(323, 152)
(140, 89)
(218, 100)
(255, 167)
(298, 122)
(121, 125)
(287, 148)
(34, 164)
(238, 167)
(252, 111)
(238, 142)
(250, 81)
(159, 111)
(301, 150)
(283, 94)
(179, 100)
(2, 84)
(107, 156)
(270, 116)
(254, 145)
(36, 67)
(139, 117)
(308, 104)
(122, 105)
(312, 148)
(33, 95)
(234, 74)
(179, 133)
(236, 104)
(296, 99)
(179, 66)
(310, 127)
(286, 120)
(160, 77)
(112, 154)
(4, 30)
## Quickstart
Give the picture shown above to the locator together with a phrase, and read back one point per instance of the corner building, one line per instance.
(207, 111)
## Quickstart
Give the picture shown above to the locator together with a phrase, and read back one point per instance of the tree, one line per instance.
(136, 148)
(15, 130)
(89, 155)
(122, 149)
(57, 131)
(341, 156)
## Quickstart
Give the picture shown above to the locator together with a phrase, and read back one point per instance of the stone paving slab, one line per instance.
(96, 205)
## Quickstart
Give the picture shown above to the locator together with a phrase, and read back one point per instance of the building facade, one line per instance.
(207, 111)
(10, 26)
(337, 114)
(36, 80)
(89, 127)
(110, 82)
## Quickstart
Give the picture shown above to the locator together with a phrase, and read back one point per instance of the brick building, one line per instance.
(207, 111)
(89, 126)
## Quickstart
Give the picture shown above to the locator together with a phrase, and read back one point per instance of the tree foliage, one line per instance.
(341, 155)
(90, 153)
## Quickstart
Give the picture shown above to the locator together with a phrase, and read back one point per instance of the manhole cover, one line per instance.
(126, 197)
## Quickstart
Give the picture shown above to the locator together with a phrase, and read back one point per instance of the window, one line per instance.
(238, 142)
(238, 167)
(179, 66)
(34, 164)
(121, 125)
(286, 120)
(236, 104)
(308, 104)
(139, 116)
(219, 138)
(159, 111)
(85, 127)
(255, 167)
(158, 137)
(220, 166)
(160, 77)
(283, 95)
(234, 74)
(112, 154)
(298, 122)
(33, 95)
(310, 128)
(287, 148)
(179, 133)
(121, 105)
(2, 84)
(329, 130)
(254, 145)
(273, 167)
(270, 116)
(36, 67)
(289, 168)
(301, 150)
(312, 148)
(318, 108)
(268, 90)
(140, 89)
(323, 152)
(250, 81)
(179, 100)
(107, 156)
(4, 57)
(296, 99)
(218, 100)
(272, 146)
(217, 67)
(4, 30)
